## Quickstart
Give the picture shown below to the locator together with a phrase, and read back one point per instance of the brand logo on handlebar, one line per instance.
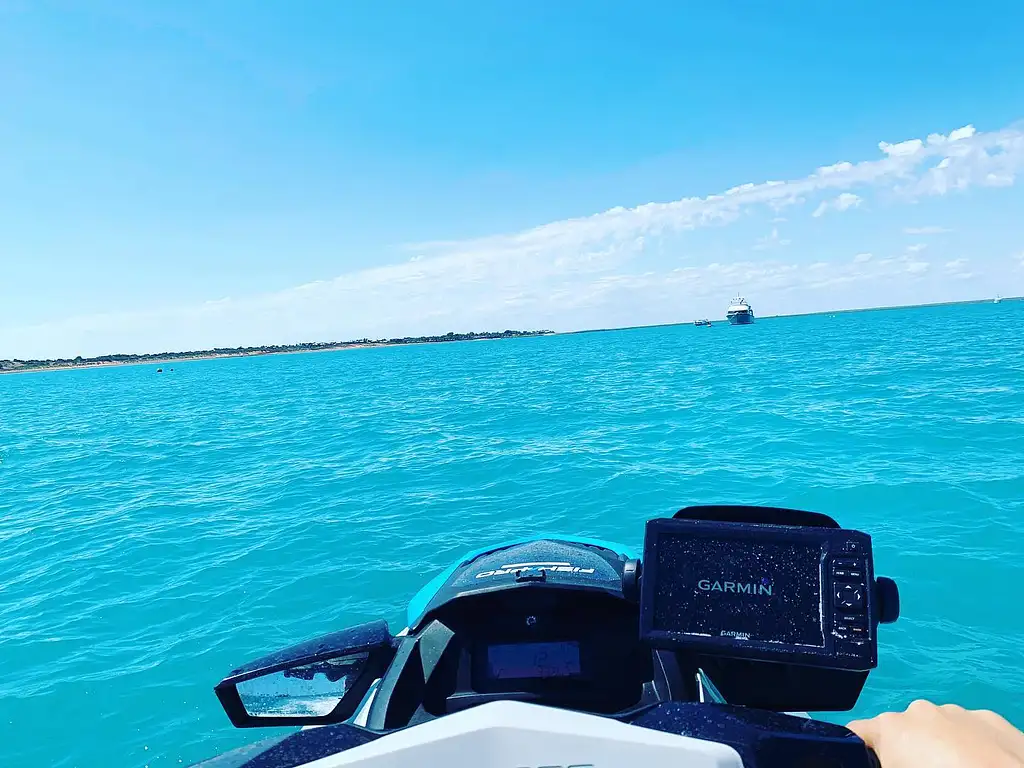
(763, 587)
(554, 567)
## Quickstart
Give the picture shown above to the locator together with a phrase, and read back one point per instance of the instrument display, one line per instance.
(517, 661)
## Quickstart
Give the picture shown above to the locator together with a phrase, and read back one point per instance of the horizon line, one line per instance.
(397, 341)
(881, 308)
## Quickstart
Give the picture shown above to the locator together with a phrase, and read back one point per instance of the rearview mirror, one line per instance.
(318, 682)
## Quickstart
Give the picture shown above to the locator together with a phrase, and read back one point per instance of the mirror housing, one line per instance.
(317, 682)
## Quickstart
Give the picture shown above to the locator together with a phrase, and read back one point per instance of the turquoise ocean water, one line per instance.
(157, 529)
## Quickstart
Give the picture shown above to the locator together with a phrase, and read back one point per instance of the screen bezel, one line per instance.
(830, 541)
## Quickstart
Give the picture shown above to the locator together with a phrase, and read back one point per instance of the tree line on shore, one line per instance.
(15, 364)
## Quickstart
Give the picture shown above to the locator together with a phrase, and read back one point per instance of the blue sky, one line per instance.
(183, 175)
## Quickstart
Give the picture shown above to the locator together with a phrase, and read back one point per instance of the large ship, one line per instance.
(740, 312)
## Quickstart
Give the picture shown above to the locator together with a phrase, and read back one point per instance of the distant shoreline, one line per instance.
(168, 358)
(220, 353)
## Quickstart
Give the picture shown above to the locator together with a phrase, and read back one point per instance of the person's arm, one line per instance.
(946, 736)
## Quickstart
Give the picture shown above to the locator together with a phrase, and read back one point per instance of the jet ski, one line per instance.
(706, 649)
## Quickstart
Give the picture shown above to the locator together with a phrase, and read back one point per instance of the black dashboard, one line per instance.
(563, 648)
(561, 645)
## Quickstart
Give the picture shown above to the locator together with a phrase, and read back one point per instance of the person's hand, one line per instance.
(946, 736)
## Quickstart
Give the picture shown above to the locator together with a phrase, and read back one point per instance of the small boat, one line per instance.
(740, 312)
(998, 299)
(705, 321)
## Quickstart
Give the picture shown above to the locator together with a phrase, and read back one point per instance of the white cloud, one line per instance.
(1000, 179)
(967, 159)
(960, 133)
(842, 167)
(903, 149)
(926, 230)
(566, 274)
(916, 247)
(958, 269)
(862, 258)
(771, 241)
(975, 154)
(843, 202)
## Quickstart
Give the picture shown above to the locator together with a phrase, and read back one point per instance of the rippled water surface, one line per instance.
(157, 529)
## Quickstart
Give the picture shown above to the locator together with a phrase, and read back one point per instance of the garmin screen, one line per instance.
(532, 660)
(748, 589)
